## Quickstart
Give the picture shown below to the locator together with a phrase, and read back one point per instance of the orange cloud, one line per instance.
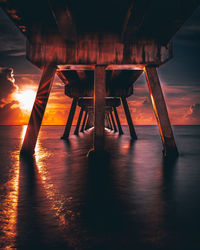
(182, 103)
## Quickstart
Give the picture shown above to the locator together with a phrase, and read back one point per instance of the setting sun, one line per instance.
(26, 99)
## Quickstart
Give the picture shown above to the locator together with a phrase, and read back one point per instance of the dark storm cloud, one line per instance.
(7, 84)
(8, 111)
(189, 34)
(183, 68)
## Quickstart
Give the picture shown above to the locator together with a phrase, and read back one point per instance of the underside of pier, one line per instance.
(99, 49)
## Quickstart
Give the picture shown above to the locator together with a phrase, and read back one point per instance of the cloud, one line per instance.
(17, 53)
(189, 34)
(194, 111)
(9, 111)
(182, 102)
(12, 111)
(10, 114)
(7, 84)
(146, 101)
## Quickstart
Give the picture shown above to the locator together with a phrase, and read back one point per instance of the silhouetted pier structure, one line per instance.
(87, 106)
(99, 49)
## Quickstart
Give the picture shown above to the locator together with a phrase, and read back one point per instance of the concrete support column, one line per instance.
(113, 122)
(90, 121)
(38, 110)
(86, 124)
(161, 113)
(70, 119)
(84, 121)
(76, 132)
(118, 121)
(106, 124)
(109, 121)
(99, 106)
(128, 118)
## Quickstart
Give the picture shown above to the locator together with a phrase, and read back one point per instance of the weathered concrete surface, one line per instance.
(160, 110)
(38, 110)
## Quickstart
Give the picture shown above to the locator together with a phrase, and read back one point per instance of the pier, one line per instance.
(99, 50)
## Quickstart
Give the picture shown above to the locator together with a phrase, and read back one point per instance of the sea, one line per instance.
(132, 198)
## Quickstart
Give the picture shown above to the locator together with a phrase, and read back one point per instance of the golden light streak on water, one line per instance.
(9, 210)
(9, 206)
(56, 200)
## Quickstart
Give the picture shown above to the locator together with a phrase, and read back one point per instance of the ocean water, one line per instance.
(132, 199)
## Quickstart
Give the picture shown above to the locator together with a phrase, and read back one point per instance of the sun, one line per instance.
(26, 99)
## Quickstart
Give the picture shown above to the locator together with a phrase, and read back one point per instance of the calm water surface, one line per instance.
(130, 200)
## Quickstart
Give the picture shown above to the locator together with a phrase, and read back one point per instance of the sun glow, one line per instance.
(26, 99)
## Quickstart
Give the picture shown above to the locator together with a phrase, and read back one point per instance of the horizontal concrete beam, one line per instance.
(95, 49)
(89, 102)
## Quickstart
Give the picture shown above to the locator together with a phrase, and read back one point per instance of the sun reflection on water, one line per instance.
(9, 205)
(56, 200)
(9, 211)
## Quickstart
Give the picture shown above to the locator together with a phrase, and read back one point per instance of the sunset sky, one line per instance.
(180, 79)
